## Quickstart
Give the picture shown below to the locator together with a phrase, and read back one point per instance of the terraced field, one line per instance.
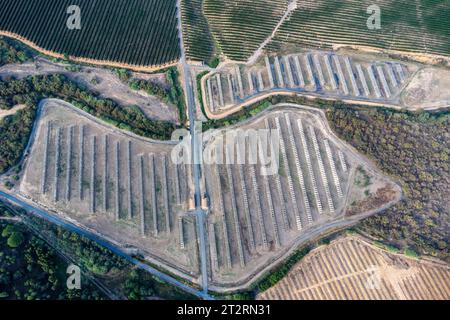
(199, 43)
(240, 26)
(121, 186)
(134, 33)
(352, 269)
(257, 217)
(420, 26)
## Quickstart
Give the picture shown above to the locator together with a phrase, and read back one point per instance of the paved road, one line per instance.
(199, 212)
(91, 236)
(196, 155)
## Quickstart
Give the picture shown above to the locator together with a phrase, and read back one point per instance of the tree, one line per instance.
(15, 240)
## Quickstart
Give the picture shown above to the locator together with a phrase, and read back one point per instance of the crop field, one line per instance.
(198, 39)
(320, 183)
(411, 26)
(320, 73)
(123, 187)
(240, 26)
(133, 32)
(353, 269)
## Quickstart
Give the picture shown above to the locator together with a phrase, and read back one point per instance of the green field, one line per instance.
(421, 26)
(136, 32)
(198, 39)
(240, 26)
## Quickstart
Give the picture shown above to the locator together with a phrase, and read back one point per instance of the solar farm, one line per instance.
(322, 74)
(128, 190)
(121, 186)
(256, 219)
(276, 180)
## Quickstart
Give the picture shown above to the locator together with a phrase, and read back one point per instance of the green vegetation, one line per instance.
(362, 179)
(123, 74)
(199, 91)
(115, 273)
(171, 94)
(240, 26)
(258, 107)
(411, 253)
(15, 129)
(14, 135)
(214, 62)
(386, 247)
(420, 26)
(176, 94)
(242, 115)
(31, 270)
(137, 32)
(139, 285)
(279, 273)
(413, 149)
(15, 239)
(13, 52)
(199, 42)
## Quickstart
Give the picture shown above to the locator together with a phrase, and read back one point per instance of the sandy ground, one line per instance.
(428, 89)
(419, 57)
(5, 113)
(102, 81)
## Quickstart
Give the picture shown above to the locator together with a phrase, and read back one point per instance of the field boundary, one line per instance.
(427, 58)
(104, 63)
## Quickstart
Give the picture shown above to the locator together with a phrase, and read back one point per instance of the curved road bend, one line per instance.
(91, 236)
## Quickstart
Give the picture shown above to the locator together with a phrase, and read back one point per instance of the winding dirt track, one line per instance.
(5, 113)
